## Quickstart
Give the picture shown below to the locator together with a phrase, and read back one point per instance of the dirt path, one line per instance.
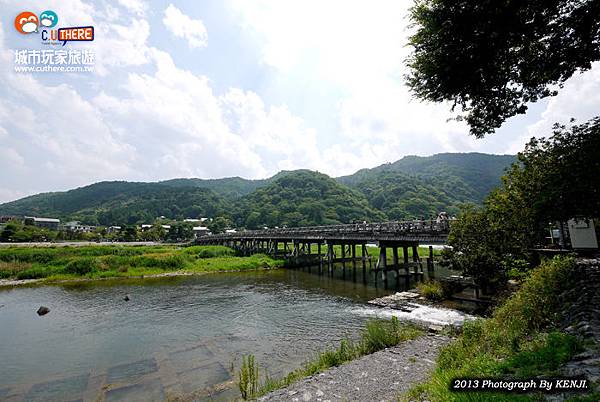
(382, 376)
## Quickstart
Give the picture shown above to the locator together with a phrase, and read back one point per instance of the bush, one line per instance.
(33, 273)
(209, 251)
(82, 266)
(432, 290)
(166, 262)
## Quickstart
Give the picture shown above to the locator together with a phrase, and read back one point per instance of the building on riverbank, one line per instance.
(78, 227)
(46, 223)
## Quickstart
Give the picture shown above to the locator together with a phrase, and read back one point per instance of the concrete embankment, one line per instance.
(381, 376)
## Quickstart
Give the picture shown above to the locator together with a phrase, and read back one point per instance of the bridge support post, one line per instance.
(364, 262)
(343, 261)
(383, 263)
(320, 258)
(353, 250)
(330, 258)
(395, 264)
(416, 259)
(430, 259)
(406, 263)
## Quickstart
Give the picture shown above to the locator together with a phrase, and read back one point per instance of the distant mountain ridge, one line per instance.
(410, 187)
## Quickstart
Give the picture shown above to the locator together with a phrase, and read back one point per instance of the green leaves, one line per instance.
(490, 58)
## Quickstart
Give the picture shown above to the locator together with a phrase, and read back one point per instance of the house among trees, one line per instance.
(200, 231)
(76, 226)
(46, 223)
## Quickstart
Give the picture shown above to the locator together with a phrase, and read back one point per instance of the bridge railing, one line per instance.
(434, 227)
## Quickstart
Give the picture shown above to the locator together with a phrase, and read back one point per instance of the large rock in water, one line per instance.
(43, 310)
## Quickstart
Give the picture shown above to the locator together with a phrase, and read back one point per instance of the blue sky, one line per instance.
(231, 88)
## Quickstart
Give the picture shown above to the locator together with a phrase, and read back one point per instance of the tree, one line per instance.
(155, 233)
(555, 179)
(181, 231)
(566, 171)
(129, 233)
(490, 58)
(475, 250)
(9, 231)
(219, 224)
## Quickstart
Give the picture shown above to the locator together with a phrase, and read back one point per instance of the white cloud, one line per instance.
(136, 6)
(578, 99)
(358, 49)
(183, 26)
(10, 158)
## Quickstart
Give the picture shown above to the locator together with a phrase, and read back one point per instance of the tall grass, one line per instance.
(377, 335)
(248, 377)
(209, 251)
(432, 290)
(520, 340)
(59, 263)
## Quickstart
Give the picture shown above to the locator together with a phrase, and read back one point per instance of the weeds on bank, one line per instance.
(58, 263)
(519, 340)
(377, 335)
(248, 377)
(431, 290)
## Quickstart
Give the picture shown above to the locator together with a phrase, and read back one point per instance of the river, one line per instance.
(174, 336)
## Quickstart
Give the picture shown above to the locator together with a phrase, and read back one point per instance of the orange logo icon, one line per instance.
(26, 22)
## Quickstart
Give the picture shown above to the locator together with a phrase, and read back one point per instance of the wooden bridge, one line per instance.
(320, 246)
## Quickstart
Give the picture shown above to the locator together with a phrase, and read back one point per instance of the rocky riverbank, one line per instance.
(581, 317)
(381, 376)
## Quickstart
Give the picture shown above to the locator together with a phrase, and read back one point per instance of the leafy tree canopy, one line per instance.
(490, 58)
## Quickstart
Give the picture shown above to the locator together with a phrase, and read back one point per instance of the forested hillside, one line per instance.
(111, 203)
(424, 186)
(411, 187)
(304, 198)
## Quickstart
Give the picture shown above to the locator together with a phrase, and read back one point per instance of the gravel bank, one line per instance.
(381, 376)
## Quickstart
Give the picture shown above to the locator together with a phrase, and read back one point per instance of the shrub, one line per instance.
(82, 266)
(33, 273)
(210, 251)
(432, 290)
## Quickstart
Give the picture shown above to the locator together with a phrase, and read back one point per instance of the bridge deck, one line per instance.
(428, 232)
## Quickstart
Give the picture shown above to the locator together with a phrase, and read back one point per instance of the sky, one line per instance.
(226, 88)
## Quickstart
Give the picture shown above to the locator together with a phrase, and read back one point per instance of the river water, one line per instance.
(174, 336)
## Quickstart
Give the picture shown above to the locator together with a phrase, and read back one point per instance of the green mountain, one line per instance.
(229, 187)
(304, 198)
(418, 186)
(411, 187)
(120, 202)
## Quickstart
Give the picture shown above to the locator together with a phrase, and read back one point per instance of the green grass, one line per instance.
(377, 335)
(519, 340)
(95, 262)
(432, 290)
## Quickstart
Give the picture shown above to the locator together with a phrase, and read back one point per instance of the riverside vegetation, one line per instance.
(522, 339)
(95, 262)
(377, 335)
